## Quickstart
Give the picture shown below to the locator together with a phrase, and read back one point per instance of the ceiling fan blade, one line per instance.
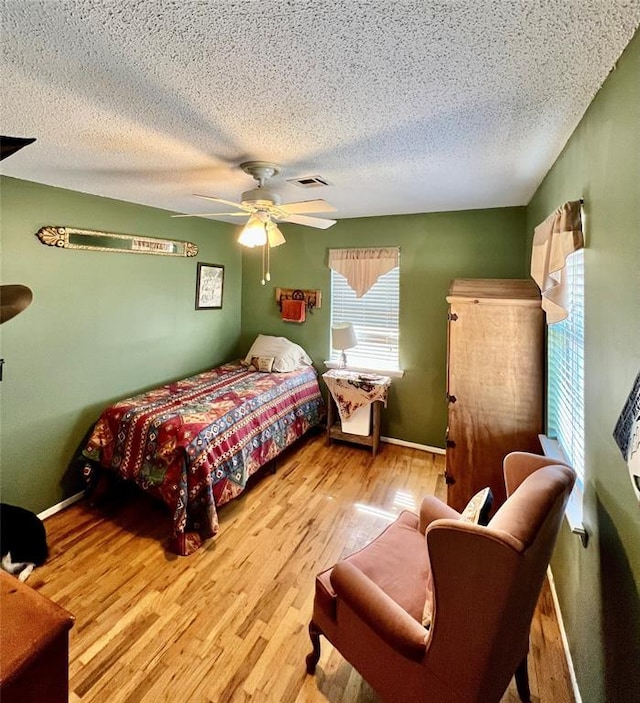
(221, 200)
(214, 214)
(9, 145)
(228, 214)
(304, 207)
(316, 222)
(15, 298)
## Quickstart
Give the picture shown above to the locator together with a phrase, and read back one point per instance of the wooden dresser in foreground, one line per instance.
(494, 381)
(34, 645)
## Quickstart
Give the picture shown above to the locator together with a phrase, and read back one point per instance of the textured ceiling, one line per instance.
(403, 106)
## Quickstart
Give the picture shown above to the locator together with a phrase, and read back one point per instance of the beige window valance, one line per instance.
(363, 267)
(553, 241)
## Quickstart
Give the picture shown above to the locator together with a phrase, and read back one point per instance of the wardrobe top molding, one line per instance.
(494, 291)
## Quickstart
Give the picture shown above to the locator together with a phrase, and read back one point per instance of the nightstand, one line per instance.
(352, 391)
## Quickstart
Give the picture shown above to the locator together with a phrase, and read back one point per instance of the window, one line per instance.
(375, 318)
(565, 372)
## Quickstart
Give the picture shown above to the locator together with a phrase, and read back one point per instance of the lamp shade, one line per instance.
(274, 235)
(254, 233)
(343, 336)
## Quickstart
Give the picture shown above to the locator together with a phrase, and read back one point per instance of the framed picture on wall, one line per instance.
(209, 286)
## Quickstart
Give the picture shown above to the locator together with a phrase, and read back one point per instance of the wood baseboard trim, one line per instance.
(61, 505)
(390, 440)
(563, 636)
(413, 445)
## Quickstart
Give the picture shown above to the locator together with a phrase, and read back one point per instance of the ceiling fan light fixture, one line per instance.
(254, 233)
(261, 201)
(274, 235)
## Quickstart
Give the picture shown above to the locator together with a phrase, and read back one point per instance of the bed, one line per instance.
(194, 443)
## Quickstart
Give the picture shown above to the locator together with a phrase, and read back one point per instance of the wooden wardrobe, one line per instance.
(494, 382)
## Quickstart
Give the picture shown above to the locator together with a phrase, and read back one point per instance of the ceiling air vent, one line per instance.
(309, 181)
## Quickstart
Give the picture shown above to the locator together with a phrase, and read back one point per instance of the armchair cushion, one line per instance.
(384, 561)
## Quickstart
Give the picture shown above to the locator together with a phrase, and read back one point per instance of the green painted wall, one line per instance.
(434, 248)
(104, 325)
(599, 587)
(101, 326)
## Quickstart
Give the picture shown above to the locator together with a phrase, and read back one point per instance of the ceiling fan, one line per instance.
(265, 207)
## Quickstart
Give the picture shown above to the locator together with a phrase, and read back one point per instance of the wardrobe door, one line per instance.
(494, 392)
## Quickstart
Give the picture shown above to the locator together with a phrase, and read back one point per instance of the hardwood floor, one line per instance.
(229, 623)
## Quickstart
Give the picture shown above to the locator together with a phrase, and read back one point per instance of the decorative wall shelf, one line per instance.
(312, 298)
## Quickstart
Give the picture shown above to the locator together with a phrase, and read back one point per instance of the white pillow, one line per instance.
(287, 356)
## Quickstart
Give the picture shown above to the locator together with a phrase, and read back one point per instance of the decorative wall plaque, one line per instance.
(70, 238)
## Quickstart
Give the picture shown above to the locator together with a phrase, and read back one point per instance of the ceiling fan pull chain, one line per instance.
(268, 248)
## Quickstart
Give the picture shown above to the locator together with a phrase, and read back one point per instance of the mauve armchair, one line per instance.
(483, 583)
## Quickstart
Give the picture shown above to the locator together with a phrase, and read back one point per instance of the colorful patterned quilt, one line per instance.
(194, 443)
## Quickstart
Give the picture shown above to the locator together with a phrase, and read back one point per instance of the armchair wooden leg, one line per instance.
(314, 656)
(522, 681)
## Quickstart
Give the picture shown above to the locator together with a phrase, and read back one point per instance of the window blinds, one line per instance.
(565, 393)
(375, 317)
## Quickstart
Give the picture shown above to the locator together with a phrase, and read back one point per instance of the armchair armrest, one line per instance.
(380, 612)
(434, 509)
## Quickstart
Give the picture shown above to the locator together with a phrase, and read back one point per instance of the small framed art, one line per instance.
(209, 286)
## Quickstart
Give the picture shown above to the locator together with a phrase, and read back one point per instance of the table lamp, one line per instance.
(343, 336)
